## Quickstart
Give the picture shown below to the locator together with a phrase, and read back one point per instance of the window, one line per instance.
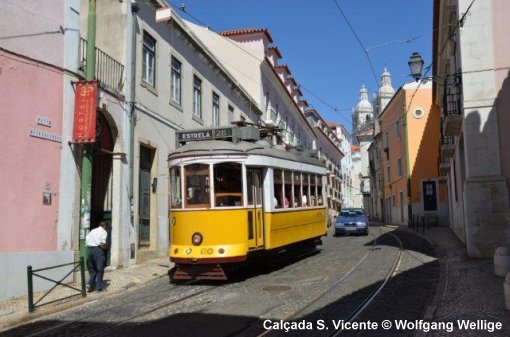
(197, 185)
(197, 97)
(313, 190)
(418, 113)
(305, 198)
(399, 165)
(175, 85)
(320, 202)
(278, 189)
(175, 188)
(215, 109)
(389, 173)
(397, 126)
(230, 116)
(288, 201)
(149, 59)
(297, 189)
(228, 185)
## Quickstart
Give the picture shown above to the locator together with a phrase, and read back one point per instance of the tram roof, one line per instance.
(221, 147)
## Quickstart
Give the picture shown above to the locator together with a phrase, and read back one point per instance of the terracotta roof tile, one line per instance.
(247, 31)
(276, 50)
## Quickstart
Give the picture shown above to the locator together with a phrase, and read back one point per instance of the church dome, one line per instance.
(386, 88)
(364, 104)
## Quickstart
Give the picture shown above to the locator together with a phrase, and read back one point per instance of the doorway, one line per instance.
(429, 196)
(144, 196)
(255, 207)
(101, 189)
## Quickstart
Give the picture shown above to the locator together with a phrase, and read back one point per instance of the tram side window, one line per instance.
(320, 202)
(175, 188)
(313, 190)
(278, 188)
(228, 185)
(197, 185)
(305, 199)
(297, 189)
(288, 200)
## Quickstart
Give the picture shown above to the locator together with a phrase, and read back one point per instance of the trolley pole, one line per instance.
(86, 163)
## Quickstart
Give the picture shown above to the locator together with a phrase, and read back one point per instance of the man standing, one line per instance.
(96, 244)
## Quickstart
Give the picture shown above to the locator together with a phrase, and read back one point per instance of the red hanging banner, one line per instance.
(85, 105)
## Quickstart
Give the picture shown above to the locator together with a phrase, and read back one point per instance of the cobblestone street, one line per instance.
(347, 269)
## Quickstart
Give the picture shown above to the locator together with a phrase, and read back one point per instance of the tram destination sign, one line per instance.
(205, 134)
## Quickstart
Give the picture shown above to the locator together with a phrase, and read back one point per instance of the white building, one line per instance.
(376, 200)
(346, 164)
(363, 131)
(171, 82)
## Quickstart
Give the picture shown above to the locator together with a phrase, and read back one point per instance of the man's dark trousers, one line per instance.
(96, 262)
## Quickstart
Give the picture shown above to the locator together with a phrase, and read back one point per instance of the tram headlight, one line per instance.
(196, 239)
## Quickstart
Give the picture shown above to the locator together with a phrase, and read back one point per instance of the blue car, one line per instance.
(351, 220)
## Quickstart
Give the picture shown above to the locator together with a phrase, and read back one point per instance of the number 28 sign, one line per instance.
(85, 103)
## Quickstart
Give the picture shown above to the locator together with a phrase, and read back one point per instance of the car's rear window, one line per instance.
(348, 214)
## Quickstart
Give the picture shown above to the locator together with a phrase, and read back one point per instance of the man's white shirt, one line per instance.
(96, 237)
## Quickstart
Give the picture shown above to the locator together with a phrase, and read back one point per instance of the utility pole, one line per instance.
(87, 148)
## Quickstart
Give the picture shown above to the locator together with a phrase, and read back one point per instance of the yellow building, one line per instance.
(409, 158)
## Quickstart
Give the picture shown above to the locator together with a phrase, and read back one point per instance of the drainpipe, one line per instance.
(86, 163)
(132, 116)
(408, 169)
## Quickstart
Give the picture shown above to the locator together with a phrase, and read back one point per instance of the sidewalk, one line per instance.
(14, 312)
(467, 289)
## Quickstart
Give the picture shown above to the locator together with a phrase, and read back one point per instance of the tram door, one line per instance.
(255, 210)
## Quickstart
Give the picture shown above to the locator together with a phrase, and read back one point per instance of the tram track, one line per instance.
(368, 300)
(363, 304)
(135, 314)
(148, 299)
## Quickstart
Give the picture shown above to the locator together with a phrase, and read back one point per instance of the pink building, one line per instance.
(32, 81)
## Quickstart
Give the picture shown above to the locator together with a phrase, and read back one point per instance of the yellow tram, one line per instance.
(233, 197)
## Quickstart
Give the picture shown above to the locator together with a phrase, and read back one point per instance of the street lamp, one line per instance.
(416, 65)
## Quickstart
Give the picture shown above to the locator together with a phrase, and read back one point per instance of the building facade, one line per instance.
(346, 163)
(39, 64)
(376, 199)
(330, 153)
(410, 137)
(174, 82)
(471, 86)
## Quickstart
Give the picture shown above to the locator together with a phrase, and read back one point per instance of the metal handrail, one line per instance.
(31, 273)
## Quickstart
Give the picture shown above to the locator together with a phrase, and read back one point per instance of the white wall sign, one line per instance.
(46, 121)
(44, 135)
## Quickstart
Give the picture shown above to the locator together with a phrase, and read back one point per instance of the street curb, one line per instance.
(61, 307)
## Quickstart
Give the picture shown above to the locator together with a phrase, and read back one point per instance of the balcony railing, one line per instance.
(444, 165)
(447, 146)
(452, 108)
(109, 72)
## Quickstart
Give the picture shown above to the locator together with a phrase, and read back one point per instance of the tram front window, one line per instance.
(228, 185)
(175, 188)
(197, 185)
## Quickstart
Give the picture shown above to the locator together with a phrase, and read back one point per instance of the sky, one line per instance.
(321, 50)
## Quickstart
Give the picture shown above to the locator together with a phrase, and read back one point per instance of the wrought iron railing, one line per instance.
(448, 140)
(80, 265)
(109, 72)
(452, 95)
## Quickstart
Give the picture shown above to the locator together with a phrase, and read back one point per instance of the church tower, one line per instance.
(385, 92)
(362, 118)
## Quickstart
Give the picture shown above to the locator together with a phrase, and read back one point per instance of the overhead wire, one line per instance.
(365, 51)
(182, 8)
